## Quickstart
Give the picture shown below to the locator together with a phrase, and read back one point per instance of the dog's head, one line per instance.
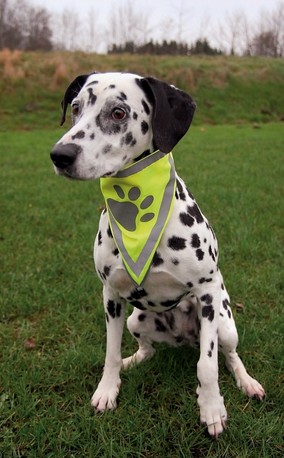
(117, 118)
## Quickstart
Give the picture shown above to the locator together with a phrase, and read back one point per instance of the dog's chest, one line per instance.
(185, 258)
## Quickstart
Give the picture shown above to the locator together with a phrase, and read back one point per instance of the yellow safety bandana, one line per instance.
(139, 200)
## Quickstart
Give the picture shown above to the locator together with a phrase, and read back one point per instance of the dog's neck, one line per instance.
(139, 200)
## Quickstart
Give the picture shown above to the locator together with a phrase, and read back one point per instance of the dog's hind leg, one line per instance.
(228, 341)
(140, 326)
(105, 396)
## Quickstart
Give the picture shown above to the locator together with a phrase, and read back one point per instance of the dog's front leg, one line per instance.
(211, 403)
(105, 396)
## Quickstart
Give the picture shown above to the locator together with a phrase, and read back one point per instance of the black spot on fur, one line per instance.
(189, 284)
(128, 139)
(199, 254)
(195, 212)
(111, 308)
(138, 305)
(79, 134)
(107, 318)
(107, 270)
(141, 317)
(186, 219)
(181, 193)
(203, 280)
(115, 252)
(135, 115)
(144, 127)
(136, 334)
(160, 327)
(177, 243)
(151, 303)
(225, 304)
(169, 302)
(195, 241)
(211, 253)
(92, 97)
(92, 136)
(99, 238)
(157, 260)
(123, 96)
(137, 294)
(208, 312)
(207, 298)
(175, 262)
(146, 107)
(109, 233)
(114, 309)
(107, 149)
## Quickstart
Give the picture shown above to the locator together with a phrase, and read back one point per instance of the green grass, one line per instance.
(51, 298)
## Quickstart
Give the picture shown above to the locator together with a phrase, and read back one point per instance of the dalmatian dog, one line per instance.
(117, 119)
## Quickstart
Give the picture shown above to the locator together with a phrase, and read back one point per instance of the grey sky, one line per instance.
(201, 18)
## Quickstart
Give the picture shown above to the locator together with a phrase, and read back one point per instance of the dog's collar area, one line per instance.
(139, 201)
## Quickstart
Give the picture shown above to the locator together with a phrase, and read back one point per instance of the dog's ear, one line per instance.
(71, 92)
(172, 115)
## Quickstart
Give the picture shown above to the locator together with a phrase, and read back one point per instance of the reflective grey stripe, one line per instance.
(138, 266)
(140, 165)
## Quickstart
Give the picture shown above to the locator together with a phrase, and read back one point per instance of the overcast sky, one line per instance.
(199, 8)
(202, 16)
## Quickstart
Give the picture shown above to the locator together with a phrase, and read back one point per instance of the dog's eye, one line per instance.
(118, 114)
(75, 109)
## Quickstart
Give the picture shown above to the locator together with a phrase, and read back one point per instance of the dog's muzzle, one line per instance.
(63, 156)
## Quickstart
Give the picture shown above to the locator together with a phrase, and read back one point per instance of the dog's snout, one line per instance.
(64, 155)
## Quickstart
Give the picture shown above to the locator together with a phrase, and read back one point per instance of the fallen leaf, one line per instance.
(30, 344)
(239, 306)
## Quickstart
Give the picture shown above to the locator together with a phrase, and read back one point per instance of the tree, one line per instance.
(268, 39)
(3, 11)
(128, 25)
(23, 26)
(92, 31)
(39, 33)
(203, 47)
(229, 35)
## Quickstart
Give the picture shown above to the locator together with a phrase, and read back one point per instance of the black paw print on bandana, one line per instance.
(126, 209)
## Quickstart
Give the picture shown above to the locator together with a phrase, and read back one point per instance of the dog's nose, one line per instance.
(64, 155)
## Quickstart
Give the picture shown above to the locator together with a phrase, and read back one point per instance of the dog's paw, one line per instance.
(138, 357)
(251, 387)
(213, 414)
(104, 398)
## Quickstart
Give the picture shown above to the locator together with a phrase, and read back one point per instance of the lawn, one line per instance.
(52, 331)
